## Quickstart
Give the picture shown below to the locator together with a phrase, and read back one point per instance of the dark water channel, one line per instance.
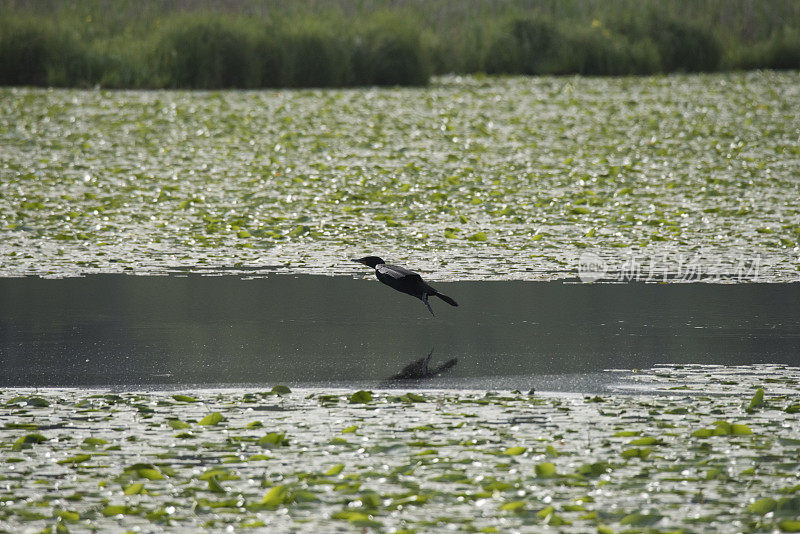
(180, 330)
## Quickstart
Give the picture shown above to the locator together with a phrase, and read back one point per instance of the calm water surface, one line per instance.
(179, 330)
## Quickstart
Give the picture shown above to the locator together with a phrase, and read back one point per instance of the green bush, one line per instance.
(464, 51)
(523, 45)
(684, 47)
(207, 52)
(390, 51)
(782, 51)
(316, 56)
(271, 59)
(35, 52)
(503, 55)
(211, 51)
(25, 51)
(538, 43)
(122, 63)
(534, 46)
(598, 51)
(150, 43)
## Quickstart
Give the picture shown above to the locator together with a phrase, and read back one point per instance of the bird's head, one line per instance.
(370, 261)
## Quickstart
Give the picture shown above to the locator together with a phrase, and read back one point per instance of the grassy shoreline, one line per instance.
(250, 44)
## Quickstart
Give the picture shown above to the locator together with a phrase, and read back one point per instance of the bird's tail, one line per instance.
(447, 299)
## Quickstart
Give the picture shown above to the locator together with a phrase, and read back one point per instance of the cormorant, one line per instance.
(404, 280)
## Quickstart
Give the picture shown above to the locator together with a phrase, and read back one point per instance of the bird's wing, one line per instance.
(395, 271)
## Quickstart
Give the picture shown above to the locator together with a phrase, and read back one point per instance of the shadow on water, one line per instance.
(129, 330)
(419, 371)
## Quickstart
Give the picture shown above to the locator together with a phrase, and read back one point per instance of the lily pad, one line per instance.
(361, 397)
(214, 418)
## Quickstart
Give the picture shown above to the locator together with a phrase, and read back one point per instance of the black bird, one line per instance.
(404, 280)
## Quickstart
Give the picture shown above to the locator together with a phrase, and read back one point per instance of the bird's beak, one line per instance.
(358, 261)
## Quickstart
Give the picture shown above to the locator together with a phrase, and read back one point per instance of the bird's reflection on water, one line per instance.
(420, 370)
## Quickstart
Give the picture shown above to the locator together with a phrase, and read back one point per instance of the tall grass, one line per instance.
(390, 51)
(198, 51)
(781, 51)
(36, 52)
(317, 43)
(234, 51)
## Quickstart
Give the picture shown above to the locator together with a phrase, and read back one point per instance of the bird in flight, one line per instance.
(404, 280)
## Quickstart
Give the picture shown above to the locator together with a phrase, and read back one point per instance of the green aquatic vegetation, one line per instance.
(646, 440)
(27, 442)
(545, 470)
(143, 470)
(116, 509)
(214, 418)
(413, 397)
(418, 466)
(593, 470)
(335, 470)
(361, 397)
(639, 519)
(280, 390)
(94, 442)
(756, 402)
(763, 506)
(359, 519)
(184, 398)
(153, 181)
(33, 402)
(76, 459)
(792, 408)
(273, 440)
(218, 474)
(636, 452)
(514, 506)
(70, 516)
(214, 486)
(134, 489)
(478, 236)
(177, 424)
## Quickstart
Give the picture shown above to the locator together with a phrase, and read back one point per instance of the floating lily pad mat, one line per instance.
(692, 448)
(685, 176)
